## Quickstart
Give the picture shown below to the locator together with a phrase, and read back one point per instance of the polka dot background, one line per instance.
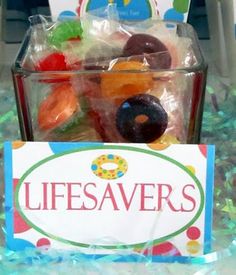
(193, 246)
(172, 14)
(177, 11)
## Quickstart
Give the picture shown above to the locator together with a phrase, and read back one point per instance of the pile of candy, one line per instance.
(100, 80)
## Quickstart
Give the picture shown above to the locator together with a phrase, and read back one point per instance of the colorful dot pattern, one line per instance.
(100, 172)
(193, 233)
(176, 11)
(193, 246)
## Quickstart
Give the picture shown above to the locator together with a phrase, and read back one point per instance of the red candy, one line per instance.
(52, 62)
(56, 62)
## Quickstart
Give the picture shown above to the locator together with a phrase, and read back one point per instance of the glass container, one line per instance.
(114, 105)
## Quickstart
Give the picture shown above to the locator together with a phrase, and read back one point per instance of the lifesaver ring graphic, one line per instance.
(109, 174)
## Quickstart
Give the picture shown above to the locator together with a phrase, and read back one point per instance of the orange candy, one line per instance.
(58, 107)
(163, 142)
(118, 85)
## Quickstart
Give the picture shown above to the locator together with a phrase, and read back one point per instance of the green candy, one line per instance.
(64, 31)
(71, 126)
(181, 5)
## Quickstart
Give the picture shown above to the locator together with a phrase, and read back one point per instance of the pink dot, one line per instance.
(43, 243)
(203, 149)
(164, 249)
(20, 224)
(193, 233)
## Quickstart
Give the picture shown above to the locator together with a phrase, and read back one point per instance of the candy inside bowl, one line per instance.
(94, 79)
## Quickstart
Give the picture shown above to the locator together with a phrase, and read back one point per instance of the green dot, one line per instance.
(104, 171)
(181, 5)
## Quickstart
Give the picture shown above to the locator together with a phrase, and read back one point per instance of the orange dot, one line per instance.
(18, 144)
(141, 119)
(193, 247)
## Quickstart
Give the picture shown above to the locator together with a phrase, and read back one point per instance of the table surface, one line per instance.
(219, 128)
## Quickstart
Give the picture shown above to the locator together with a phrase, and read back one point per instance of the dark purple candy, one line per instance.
(141, 118)
(149, 47)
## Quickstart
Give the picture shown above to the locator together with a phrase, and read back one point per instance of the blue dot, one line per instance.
(60, 147)
(66, 14)
(120, 174)
(110, 156)
(94, 167)
(19, 244)
(174, 15)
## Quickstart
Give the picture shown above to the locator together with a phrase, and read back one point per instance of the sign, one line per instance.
(100, 198)
(128, 9)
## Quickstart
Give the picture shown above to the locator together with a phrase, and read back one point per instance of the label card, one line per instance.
(101, 198)
(128, 9)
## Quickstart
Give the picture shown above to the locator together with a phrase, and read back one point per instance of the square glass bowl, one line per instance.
(126, 98)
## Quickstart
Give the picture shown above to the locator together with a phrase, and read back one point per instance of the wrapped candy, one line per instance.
(96, 79)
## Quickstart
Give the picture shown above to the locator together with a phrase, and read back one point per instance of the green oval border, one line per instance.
(113, 147)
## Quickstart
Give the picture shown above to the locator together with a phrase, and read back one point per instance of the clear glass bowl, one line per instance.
(102, 96)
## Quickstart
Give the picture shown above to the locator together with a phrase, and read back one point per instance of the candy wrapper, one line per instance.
(100, 79)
